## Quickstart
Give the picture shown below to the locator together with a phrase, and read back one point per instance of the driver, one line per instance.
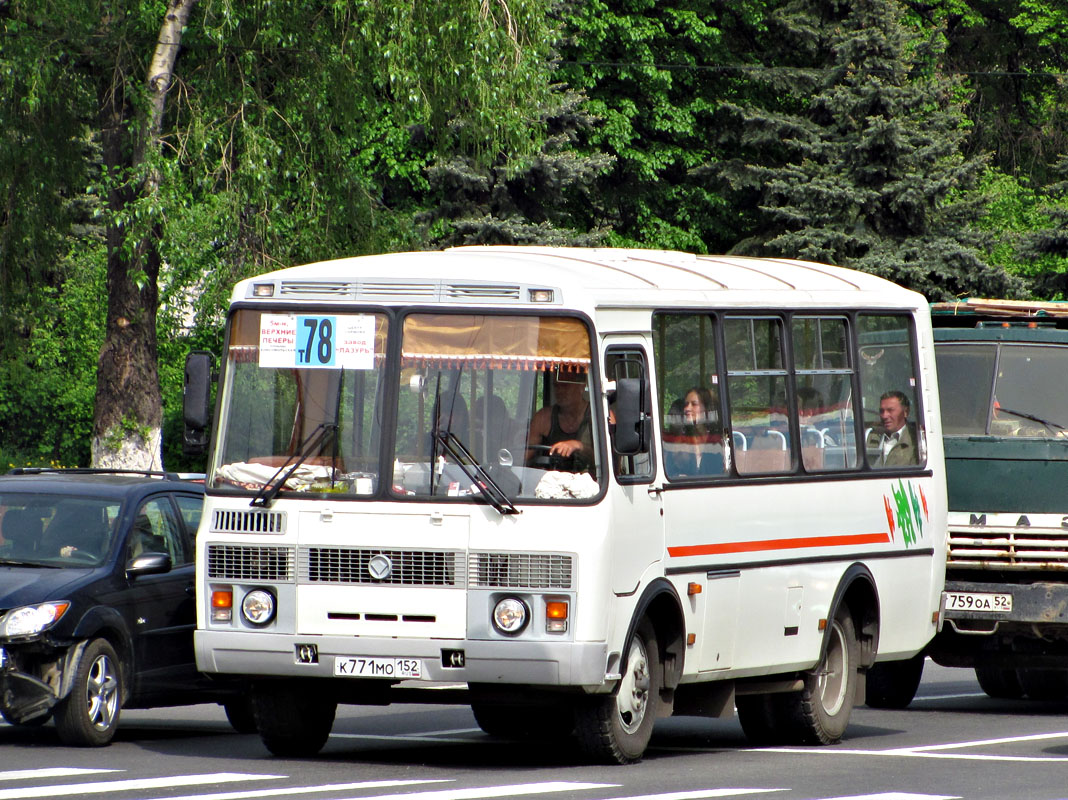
(564, 427)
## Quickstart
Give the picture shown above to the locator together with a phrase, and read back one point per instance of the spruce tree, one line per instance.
(859, 161)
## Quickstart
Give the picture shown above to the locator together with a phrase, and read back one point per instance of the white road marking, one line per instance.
(49, 772)
(697, 794)
(294, 790)
(100, 787)
(940, 750)
(476, 793)
(967, 696)
(385, 737)
(897, 796)
(1034, 737)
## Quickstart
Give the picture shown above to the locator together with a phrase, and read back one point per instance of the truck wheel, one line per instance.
(1044, 684)
(819, 713)
(89, 715)
(616, 728)
(893, 684)
(292, 724)
(1002, 684)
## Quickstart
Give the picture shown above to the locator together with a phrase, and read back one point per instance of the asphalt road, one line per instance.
(953, 742)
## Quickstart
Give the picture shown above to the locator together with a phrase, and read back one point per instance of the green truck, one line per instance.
(1003, 380)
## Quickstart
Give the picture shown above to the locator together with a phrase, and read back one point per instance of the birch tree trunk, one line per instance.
(128, 410)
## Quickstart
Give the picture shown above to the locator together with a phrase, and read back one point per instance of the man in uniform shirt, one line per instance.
(891, 444)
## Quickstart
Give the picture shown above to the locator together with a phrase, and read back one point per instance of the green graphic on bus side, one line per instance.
(908, 512)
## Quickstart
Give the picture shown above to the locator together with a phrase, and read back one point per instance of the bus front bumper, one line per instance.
(508, 662)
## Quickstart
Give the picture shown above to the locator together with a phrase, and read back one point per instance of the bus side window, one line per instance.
(692, 438)
(823, 366)
(890, 392)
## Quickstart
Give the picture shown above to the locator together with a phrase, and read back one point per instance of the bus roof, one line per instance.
(502, 274)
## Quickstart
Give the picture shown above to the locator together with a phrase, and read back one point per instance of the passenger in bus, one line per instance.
(693, 442)
(564, 427)
(892, 443)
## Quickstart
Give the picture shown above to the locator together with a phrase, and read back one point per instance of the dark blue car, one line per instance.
(97, 607)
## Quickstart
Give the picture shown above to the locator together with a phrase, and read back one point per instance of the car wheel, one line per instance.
(89, 715)
(616, 728)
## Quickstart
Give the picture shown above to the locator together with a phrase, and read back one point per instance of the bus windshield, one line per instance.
(478, 405)
(1001, 389)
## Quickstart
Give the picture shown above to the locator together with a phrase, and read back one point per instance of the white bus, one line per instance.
(584, 488)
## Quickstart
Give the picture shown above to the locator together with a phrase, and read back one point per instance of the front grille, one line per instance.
(224, 521)
(1019, 549)
(521, 570)
(240, 563)
(408, 567)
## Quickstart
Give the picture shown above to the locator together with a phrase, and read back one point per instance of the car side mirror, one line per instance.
(149, 564)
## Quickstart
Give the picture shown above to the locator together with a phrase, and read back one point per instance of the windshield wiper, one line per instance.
(265, 496)
(1032, 417)
(12, 562)
(488, 487)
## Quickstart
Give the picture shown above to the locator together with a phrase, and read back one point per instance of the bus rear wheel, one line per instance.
(616, 728)
(292, 724)
(820, 712)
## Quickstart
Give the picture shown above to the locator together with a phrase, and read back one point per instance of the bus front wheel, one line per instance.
(291, 724)
(616, 728)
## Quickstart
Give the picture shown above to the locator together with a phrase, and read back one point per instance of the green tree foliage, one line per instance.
(858, 161)
(651, 72)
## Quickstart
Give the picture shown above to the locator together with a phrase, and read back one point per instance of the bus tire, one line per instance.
(523, 721)
(240, 714)
(1044, 683)
(999, 683)
(89, 715)
(291, 724)
(819, 713)
(761, 717)
(893, 684)
(616, 728)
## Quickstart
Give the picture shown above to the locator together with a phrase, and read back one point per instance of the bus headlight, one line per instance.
(258, 607)
(510, 615)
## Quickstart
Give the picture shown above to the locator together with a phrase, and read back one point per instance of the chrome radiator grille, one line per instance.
(407, 567)
(250, 563)
(1014, 549)
(520, 570)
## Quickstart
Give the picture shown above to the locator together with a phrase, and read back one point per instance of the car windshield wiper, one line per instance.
(265, 496)
(1032, 417)
(487, 486)
(14, 562)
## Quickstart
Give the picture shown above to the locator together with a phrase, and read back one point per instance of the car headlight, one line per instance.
(510, 615)
(29, 620)
(258, 607)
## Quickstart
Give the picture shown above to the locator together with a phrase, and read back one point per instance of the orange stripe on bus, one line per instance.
(778, 544)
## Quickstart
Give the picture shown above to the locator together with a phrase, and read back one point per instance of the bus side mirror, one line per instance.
(632, 424)
(196, 401)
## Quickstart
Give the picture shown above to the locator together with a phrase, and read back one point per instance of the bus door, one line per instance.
(637, 524)
(696, 454)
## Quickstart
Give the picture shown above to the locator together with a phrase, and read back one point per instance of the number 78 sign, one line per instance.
(317, 341)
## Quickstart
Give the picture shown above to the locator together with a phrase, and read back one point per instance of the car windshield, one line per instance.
(55, 530)
(305, 401)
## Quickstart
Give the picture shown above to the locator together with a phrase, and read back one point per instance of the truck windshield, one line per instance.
(1005, 390)
(476, 402)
